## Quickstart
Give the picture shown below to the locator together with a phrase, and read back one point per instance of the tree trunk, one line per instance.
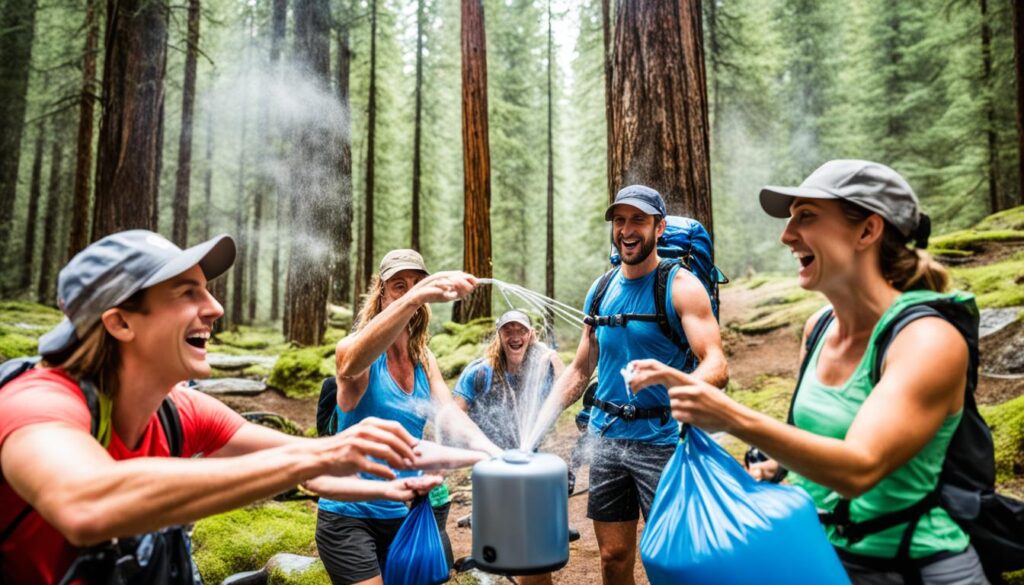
(255, 229)
(549, 265)
(254, 247)
(158, 172)
(990, 109)
(476, 231)
(1018, 60)
(183, 177)
(241, 220)
(208, 178)
(35, 192)
(418, 129)
(660, 132)
(314, 185)
(279, 22)
(79, 238)
(341, 291)
(133, 97)
(17, 32)
(606, 25)
(359, 286)
(46, 294)
(371, 128)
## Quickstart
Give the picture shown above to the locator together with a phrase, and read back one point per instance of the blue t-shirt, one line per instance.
(385, 399)
(637, 340)
(503, 410)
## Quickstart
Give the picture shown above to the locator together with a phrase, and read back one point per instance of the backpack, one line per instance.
(684, 243)
(966, 487)
(327, 408)
(157, 557)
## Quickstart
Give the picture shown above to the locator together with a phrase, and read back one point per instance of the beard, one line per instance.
(647, 245)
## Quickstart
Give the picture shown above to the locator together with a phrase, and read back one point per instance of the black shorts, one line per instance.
(624, 475)
(354, 549)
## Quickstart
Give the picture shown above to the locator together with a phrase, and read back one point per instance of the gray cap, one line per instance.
(870, 185)
(514, 316)
(107, 272)
(643, 198)
(396, 261)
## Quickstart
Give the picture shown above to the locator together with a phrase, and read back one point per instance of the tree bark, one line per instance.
(35, 193)
(314, 185)
(660, 114)
(208, 179)
(418, 129)
(79, 238)
(241, 220)
(158, 171)
(46, 294)
(254, 248)
(990, 109)
(279, 26)
(549, 264)
(476, 256)
(183, 176)
(255, 229)
(606, 25)
(341, 291)
(133, 97)
(371, 131)
(17, 32)
(1018, 60)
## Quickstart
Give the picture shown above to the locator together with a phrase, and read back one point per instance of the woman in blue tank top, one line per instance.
(386, 371)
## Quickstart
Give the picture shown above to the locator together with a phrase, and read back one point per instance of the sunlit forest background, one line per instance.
(926, 86)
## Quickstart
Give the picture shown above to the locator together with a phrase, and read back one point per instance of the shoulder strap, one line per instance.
(661, 284)
(812, 342)
(602, 287)
(886, 336)
(170, 421)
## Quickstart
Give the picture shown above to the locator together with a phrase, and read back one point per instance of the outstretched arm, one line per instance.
(569, 386)
(452, 420)
(691, 302)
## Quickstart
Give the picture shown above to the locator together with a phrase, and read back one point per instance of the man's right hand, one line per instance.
(372, 437)
(444, 287)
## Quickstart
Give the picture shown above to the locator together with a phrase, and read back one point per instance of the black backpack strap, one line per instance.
(854, 532)
(595, 301)
(170, 421)
(817, 332)
(661, 286)
(886, 336)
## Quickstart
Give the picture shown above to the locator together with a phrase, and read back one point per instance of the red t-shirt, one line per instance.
(36, 552)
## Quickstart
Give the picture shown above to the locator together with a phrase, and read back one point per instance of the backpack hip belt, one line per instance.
(629, 413)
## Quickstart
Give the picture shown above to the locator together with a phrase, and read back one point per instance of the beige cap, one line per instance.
(396, 261)
(514, 316)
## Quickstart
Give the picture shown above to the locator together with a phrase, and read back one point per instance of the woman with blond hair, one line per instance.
(386, 371)
(871, 426)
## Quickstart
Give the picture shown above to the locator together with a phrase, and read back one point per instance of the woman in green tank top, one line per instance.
(881, 446)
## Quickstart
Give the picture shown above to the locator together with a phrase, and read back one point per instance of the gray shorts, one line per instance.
(624, 475)
(960, 569)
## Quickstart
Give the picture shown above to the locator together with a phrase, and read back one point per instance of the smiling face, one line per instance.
(170, 335)
(399, 284)
(515, 340)
(826, 243)
(634, 233)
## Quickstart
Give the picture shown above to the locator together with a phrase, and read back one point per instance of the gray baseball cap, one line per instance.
(396, 261)
(107, 272)
(514, 316)
(643, 198)
(870, 185)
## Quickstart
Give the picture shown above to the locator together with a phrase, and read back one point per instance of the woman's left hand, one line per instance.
(646, 373)
(699, 403)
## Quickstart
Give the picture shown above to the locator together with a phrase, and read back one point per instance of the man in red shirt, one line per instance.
(138, 316)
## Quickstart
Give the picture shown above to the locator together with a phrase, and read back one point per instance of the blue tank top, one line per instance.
(637, 340)
(384, 398)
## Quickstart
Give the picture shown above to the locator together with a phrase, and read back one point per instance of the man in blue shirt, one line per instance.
(634, 435)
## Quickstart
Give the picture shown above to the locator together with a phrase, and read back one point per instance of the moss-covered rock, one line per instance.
(460, 343)
(453, 362)
(299, 372)
(21, 324)
(291, 569)
(780, 313)
(245, 539)
(1007, 423)
(972, 240)
(1009, 219)
(339, 316)
(999, 284)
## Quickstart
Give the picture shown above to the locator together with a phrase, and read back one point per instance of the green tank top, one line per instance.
(829, 411)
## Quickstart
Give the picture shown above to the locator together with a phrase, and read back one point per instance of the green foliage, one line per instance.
(299, 372)
(996, 285)
(1007, 423)
(460, 344)
(21, 324)
(245, 539)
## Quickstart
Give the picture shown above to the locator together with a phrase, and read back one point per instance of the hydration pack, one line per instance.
(162, 557)
(966, 486)
(327, 408)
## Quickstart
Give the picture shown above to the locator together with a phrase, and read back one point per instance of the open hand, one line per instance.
(350, 450)
(443, 287)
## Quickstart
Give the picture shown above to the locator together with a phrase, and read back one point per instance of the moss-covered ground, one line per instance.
(245, 539)
(299, 372)
(21, 324)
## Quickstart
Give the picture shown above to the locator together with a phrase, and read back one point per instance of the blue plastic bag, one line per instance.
(416, 555)
(712, 524)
